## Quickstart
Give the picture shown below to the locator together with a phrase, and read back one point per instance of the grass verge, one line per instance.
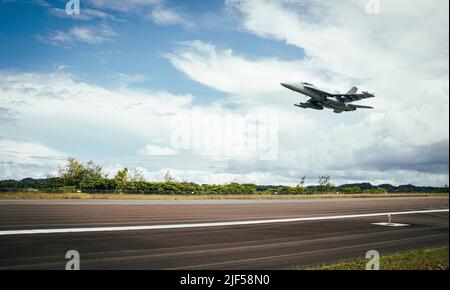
(426, 259)
(28, 195)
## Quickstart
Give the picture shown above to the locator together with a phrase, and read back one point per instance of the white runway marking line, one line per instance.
(212, 224)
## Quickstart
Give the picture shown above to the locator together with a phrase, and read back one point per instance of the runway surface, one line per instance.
(237, 244)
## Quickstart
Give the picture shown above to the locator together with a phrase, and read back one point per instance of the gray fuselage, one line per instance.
(319, 99)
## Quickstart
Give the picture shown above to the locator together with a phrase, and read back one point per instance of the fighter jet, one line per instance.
(320, 99)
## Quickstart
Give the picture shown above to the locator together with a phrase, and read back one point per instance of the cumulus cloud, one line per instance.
(400, 37)
(406, 66)
(83, 119)
(19, 159)
(26, 152)
(202, 176)
(110, 125)
(155, 150)
(401, 55)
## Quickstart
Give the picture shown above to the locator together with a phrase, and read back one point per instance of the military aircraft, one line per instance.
(320, 99)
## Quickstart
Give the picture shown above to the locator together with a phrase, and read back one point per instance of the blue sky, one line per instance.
(120, 82)
(138, 39)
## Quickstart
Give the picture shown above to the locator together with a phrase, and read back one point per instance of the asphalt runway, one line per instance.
(334, 233)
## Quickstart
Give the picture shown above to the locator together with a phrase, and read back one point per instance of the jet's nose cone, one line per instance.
(284, 85)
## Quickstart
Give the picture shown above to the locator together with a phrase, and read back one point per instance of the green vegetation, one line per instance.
(427, 259)
(43, 195)
(77, 177)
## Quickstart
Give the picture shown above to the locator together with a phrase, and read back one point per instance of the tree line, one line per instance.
(90, 178)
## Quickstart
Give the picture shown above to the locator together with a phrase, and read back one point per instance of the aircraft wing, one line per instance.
(360, 106)
(322, 92)
(353, 97)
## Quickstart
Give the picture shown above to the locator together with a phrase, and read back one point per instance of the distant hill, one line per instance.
(391, 188)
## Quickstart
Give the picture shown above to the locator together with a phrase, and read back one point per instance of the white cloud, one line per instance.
(155, 150)
(128, 79)
(19, 159)
(231, 73)
(26, 153)
(83, 119)
(204, 176)
(81, 34)
(343, 46)
(60, 96)
(343, 38)
(401, 55)
(165, 16)
(107, 125)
